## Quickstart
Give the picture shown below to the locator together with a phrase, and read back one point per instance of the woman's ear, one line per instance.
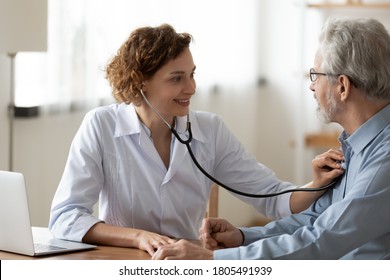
(143, 86)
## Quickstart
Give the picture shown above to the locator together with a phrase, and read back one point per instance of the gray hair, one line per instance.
(359, 49)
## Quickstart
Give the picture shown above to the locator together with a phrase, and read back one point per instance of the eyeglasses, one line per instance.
(313, 75)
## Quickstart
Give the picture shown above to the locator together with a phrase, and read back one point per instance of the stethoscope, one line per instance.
(187, 143)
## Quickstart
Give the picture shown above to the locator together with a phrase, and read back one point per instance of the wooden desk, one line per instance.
(99, 253)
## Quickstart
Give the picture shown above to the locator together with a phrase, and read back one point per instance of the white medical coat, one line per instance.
(113, 160)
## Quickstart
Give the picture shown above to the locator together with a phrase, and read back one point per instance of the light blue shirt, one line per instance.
(351, 221)
(112, 159)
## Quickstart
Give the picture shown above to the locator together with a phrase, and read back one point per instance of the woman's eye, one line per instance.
(176, 79)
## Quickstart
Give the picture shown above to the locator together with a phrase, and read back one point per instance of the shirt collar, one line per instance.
(368, 131)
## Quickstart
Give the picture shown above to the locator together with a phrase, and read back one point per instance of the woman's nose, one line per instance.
(190, 86)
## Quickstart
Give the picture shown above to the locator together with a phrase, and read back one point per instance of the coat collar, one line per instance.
(128, 123)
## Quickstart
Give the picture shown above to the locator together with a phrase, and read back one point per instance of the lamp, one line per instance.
(23, 28)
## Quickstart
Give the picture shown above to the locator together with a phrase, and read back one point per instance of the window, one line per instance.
(84, 34)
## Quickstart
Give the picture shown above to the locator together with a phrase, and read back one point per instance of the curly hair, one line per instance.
(146, 50)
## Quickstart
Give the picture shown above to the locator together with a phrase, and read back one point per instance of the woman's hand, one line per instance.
(327, 167)
(150, 241)
(104, 234)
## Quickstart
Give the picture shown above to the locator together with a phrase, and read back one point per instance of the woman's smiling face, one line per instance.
(170, 89)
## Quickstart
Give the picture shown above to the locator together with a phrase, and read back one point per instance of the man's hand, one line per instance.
(218, 234)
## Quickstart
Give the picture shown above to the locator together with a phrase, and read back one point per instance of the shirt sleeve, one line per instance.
(327, 230)
(72, 207)
(240, 170)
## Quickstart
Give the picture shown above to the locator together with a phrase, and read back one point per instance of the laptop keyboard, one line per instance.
(46, 248)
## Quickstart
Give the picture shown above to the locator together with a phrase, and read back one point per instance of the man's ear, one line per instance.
(344, 87)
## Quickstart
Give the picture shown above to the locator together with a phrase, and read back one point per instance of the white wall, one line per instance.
(41, 149)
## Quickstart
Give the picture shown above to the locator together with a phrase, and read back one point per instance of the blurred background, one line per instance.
(252, 60)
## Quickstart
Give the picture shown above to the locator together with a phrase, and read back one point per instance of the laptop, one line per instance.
(16, 233)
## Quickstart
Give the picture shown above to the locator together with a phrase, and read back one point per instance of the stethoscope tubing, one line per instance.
(187, 143)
